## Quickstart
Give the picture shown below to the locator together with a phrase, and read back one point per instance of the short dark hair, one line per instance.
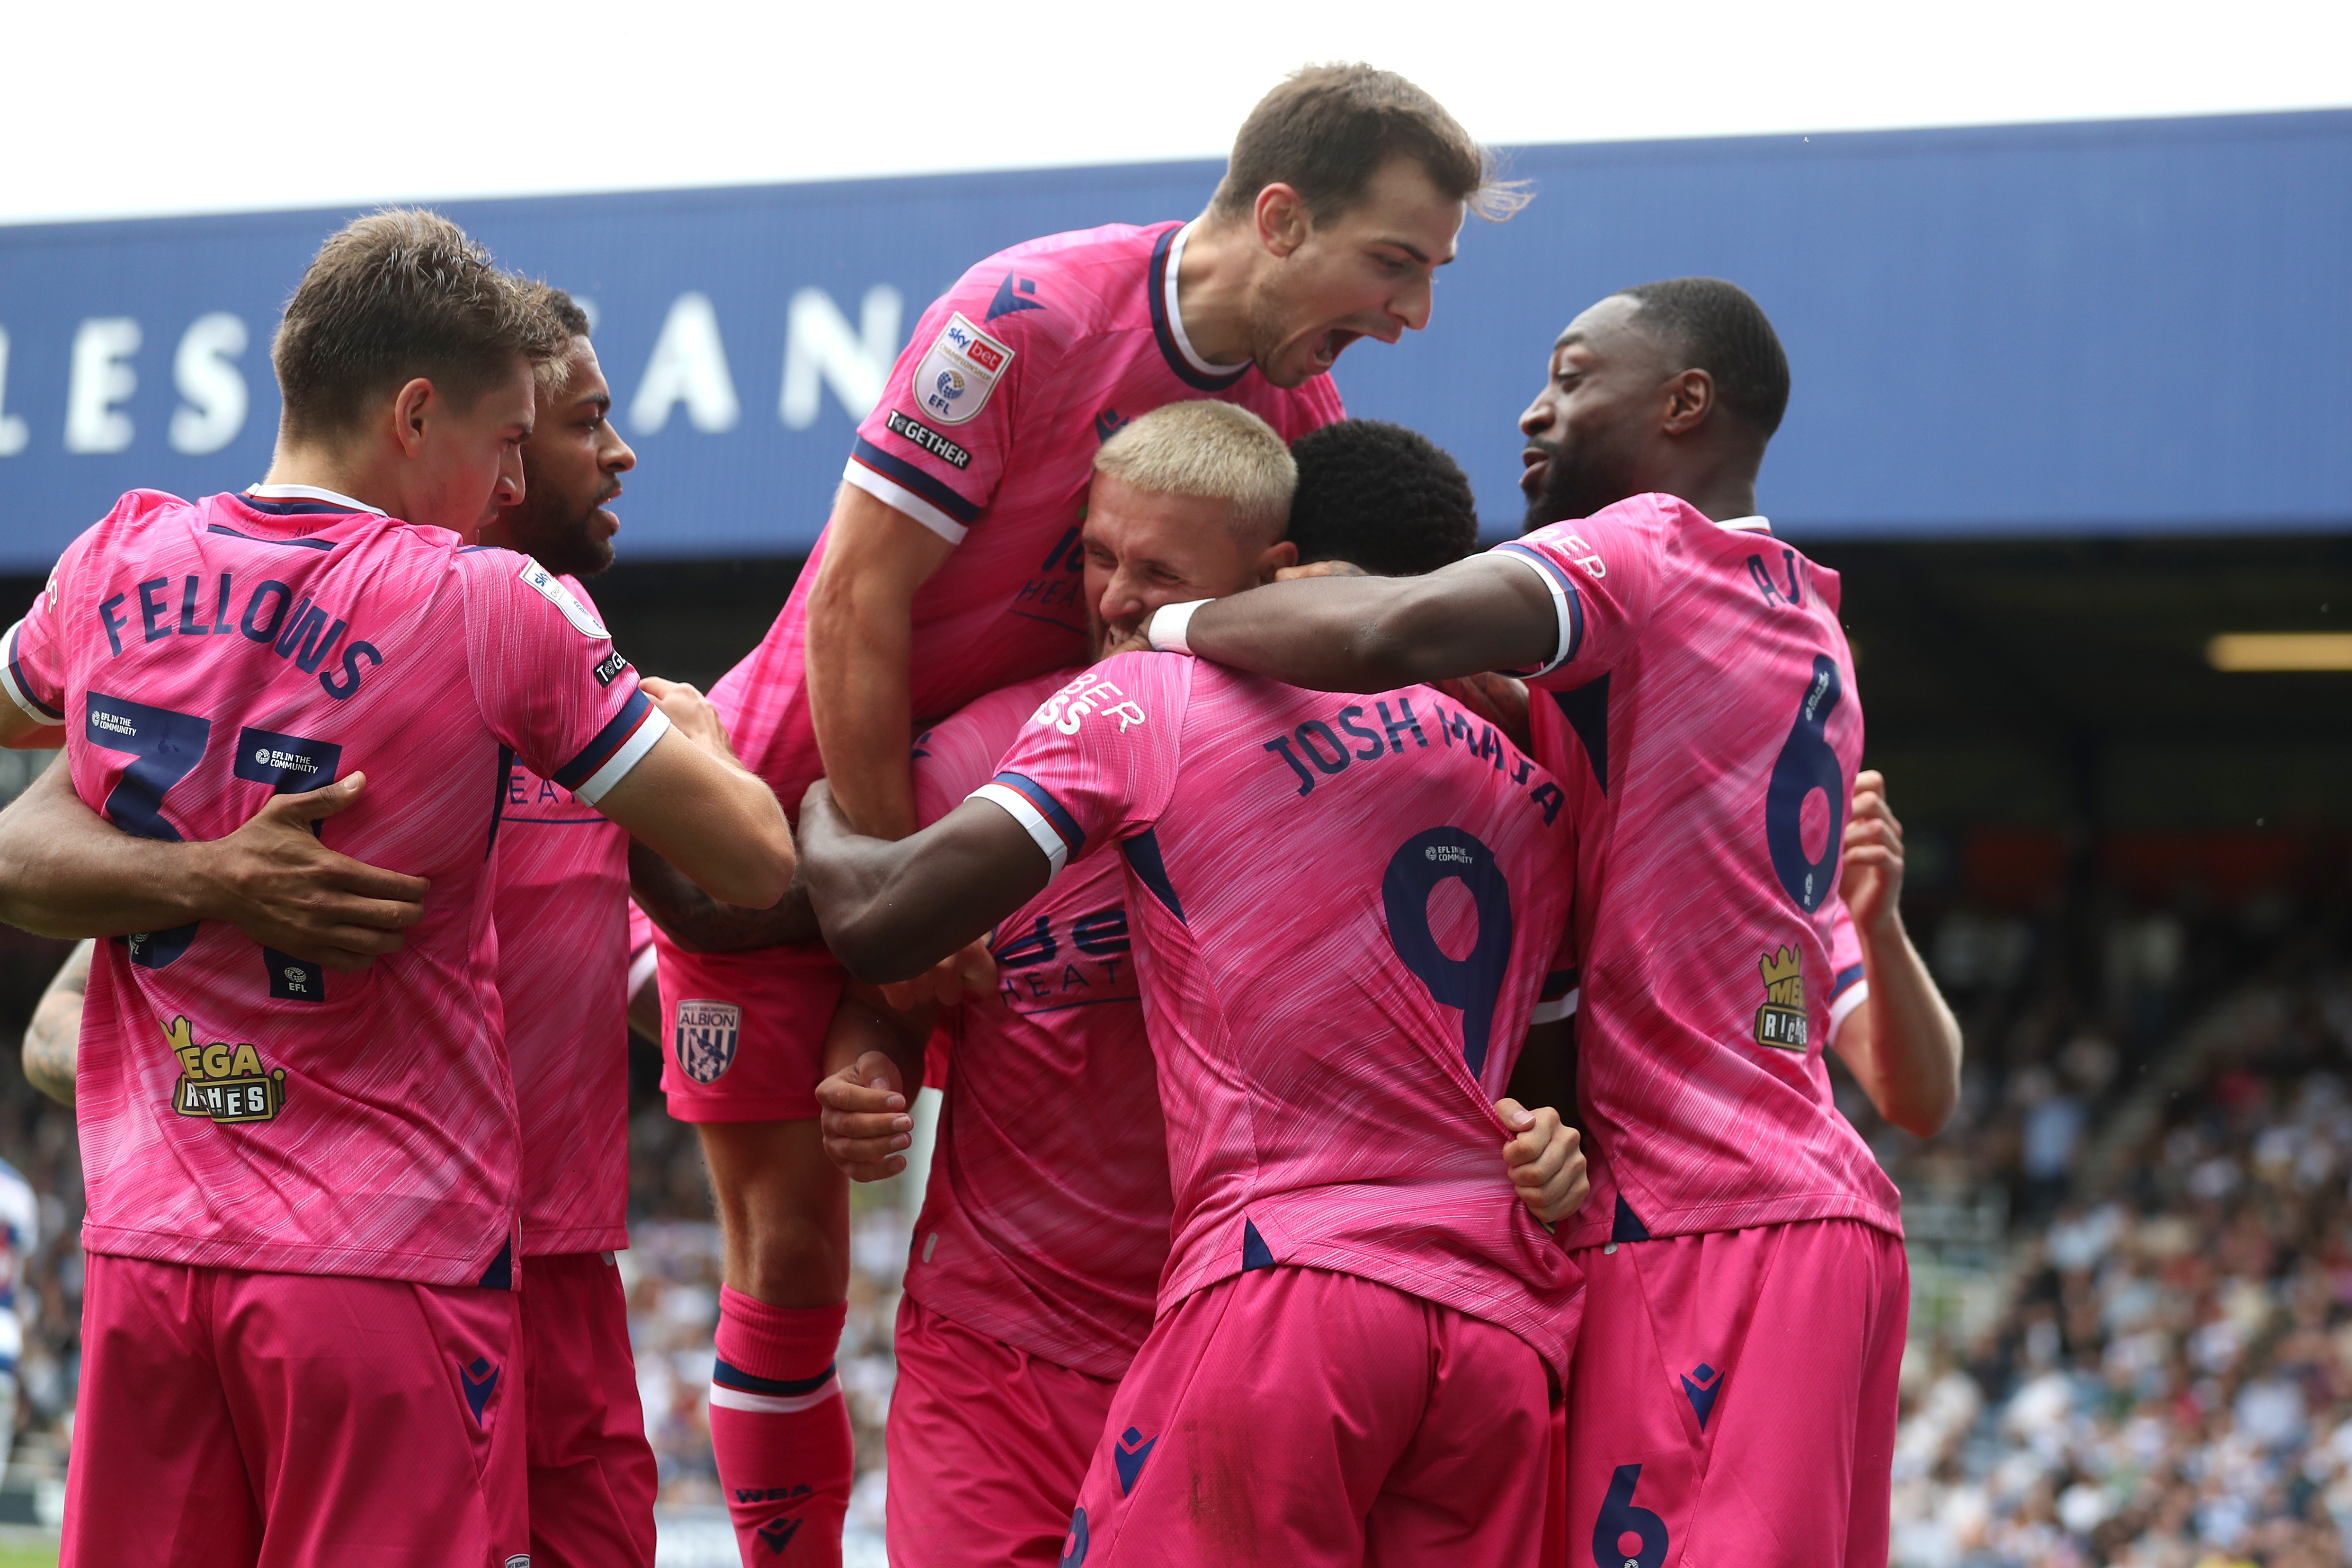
(394, 296)
(1325, 130)
(569, 317)
(1388, 499)
(1717, 327)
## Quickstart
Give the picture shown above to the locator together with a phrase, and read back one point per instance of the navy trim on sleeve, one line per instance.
(1559, 984)
(1567, 587)
(609, 739)
(1155, 289)
(1843, 980)
(1036, 795)
(16, 675)
(899, 472)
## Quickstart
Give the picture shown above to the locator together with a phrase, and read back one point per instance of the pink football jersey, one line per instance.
(561, 907)
(1046, 1225)
(239, 1108)
(1343, 909)
(1703, 716)
(986, 434)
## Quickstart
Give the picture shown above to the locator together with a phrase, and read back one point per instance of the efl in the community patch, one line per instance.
(956, 376)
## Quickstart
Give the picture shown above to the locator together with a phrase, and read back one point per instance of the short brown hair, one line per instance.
(1327, 129)
(394, 296)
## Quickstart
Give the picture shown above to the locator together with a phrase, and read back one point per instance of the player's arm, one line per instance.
(892, 909)
(691, 802)
(1902, 1044)
(1369, 634)
(21, 731)
(53, 1039)
(65, 871)
(872, 1052)
(860, 657)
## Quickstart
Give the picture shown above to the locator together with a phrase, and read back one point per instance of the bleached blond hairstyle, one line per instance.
(1212, 449)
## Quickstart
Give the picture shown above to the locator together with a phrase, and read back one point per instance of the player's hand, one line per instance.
(692, 712)
(1872, 880)
(1500, 699)
(1546, 1161)
(1115, 641)
(273, 880)
(863, 1119)
(1321, 569)
(971, 970)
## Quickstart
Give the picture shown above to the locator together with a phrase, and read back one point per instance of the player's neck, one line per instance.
(1213, 289)
(330, 468)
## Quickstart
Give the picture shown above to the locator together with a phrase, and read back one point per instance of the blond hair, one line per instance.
(1212, 449)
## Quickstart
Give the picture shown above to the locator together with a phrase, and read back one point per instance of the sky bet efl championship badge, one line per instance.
(1780, 1021)
(705, 1038)
(955, 378)
(223, 1081)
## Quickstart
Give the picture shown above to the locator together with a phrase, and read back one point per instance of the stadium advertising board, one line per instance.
(2122, 327)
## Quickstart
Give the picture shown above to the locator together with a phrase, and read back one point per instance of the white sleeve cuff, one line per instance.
(1057, 854)
(1567, 644)
(1842, 1008)
(1165, 631)
(633, 751)
(891, 494)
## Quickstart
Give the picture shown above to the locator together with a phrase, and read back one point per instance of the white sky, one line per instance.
(141, 107)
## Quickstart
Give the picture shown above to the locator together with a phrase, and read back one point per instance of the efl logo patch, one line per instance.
(550, 588)
(609, 668)
(956, 376)
(1780, 1022)
(221, 1081)
(705, 1038)
(928, 439)
(1071, 706)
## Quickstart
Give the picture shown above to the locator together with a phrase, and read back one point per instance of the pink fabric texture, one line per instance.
(988, 1444)
(1302, 1418)
(780, 1430)
(1734, 1397)
(208, 655)
(591, 1473)
(1702, 667)
(283, 1420)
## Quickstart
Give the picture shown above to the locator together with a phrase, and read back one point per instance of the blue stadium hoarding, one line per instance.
(2129, 326)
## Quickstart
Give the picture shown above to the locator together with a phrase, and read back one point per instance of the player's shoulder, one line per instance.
(1060, 287)
(996, 717)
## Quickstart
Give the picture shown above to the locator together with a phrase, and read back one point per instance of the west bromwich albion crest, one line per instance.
(704, 1038)
(956, 376)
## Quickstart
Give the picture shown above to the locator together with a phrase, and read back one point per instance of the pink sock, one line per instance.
(780, 1430)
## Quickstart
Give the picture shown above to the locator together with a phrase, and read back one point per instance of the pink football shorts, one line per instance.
(987, 1447)
(743, 1033)
(591, 1473)
(1296, 1417)
(253, 1420)
(1733, 1397)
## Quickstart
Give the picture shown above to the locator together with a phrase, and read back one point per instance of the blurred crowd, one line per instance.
(2132, 1250)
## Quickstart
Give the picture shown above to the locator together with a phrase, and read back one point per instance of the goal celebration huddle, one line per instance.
(1380, 986)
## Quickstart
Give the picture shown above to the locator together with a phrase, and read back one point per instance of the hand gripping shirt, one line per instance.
(239, 1108)
(1046, 1225)
(562, 912)
(986, 434)
(1704, 718)
(1343, 909)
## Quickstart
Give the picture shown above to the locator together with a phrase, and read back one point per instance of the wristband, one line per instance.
(1165, 630)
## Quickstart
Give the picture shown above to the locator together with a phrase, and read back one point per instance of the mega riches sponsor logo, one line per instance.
(223, 1082)
(1780, 1022)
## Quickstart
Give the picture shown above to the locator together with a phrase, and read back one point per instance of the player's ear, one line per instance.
(1276, 558)
(1283, 221)
(1690, 398)
(411, 406)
